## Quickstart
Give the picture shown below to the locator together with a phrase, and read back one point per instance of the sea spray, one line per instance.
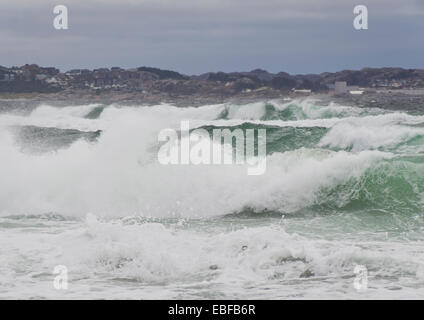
(343, 187)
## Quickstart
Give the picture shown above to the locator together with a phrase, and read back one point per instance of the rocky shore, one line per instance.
(150, 86)
(29, 85)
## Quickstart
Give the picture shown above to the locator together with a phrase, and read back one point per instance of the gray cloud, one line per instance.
(195, 36)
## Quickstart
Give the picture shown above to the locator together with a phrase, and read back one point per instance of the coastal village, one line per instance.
(32, 78)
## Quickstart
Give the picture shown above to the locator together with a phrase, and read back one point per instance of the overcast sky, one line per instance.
(196, 36)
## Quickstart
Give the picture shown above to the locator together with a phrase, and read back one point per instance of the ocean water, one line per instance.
(81, 187)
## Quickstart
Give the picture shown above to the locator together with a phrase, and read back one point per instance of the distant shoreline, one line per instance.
(411, 98)
(147, 85)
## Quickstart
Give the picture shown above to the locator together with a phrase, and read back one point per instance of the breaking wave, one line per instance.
(110, 168)
(81, 186)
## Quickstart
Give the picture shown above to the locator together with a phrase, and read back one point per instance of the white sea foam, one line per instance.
(120, 259)
(119, 175)
(357, 138)
(187, 248)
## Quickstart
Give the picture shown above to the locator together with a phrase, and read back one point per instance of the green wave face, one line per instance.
(281, 139)
(388, 195)
(41, 140)
(343, 186)
(301, 136)
(395, 186)
(95, 113)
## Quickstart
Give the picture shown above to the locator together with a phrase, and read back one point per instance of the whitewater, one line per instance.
(81, 187)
